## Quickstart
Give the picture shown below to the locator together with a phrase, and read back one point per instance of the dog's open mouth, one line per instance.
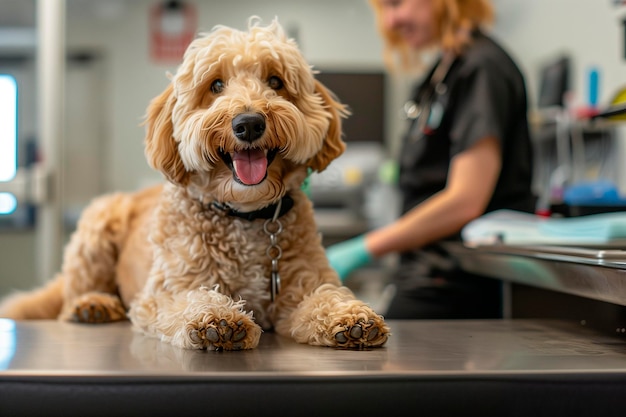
(249, 166)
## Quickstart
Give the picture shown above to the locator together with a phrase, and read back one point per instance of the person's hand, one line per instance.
(347, 256)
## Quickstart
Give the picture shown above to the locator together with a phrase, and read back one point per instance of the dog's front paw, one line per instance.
(222, 334)
(359, 334)
(95, 308)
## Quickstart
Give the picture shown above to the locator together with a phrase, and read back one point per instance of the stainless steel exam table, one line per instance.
(428, 368)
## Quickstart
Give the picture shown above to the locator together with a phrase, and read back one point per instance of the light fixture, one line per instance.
(8, 127)
(8, 139)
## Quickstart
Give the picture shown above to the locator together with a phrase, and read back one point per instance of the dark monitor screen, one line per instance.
(554, 82)
(364, 94)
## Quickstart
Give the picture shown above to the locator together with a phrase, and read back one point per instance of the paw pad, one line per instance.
(221, 336)
(361, 335)
(97, 312)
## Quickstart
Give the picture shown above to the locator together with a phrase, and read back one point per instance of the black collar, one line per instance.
(263, 213)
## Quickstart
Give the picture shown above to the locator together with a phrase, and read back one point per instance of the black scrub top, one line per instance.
(483, 94)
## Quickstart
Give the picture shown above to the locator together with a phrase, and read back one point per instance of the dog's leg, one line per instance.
(332, 316)
(198, 319)
(90, 292)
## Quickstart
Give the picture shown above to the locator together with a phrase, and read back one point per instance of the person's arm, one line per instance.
(471, 181)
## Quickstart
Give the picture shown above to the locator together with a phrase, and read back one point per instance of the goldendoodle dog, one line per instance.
(228, 246)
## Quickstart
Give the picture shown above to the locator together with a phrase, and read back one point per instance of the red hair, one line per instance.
(453, 19)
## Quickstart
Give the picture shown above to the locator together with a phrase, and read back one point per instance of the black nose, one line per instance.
(249, 126)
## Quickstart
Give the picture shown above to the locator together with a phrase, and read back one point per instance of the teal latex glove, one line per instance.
(347, 256)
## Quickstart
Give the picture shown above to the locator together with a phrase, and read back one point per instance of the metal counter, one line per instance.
(595, 273)
(448, 368)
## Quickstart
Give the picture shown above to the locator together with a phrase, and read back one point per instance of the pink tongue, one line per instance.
(250, 166)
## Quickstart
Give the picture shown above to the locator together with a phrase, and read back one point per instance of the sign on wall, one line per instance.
(172, 28)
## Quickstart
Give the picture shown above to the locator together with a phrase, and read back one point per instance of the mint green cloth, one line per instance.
(603, 226)
(512, 227)
(347, 256)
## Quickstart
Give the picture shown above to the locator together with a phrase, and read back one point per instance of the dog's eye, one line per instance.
(217, 86)
(275, 83)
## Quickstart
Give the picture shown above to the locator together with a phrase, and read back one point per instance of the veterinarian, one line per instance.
(466, 152)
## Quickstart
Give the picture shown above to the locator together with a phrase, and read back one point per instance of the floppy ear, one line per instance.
(161, 148)
(333, 144)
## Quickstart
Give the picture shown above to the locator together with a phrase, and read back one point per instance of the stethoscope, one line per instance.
(427, 111)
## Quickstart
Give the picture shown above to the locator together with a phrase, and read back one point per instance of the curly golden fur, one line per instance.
(241, 122)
